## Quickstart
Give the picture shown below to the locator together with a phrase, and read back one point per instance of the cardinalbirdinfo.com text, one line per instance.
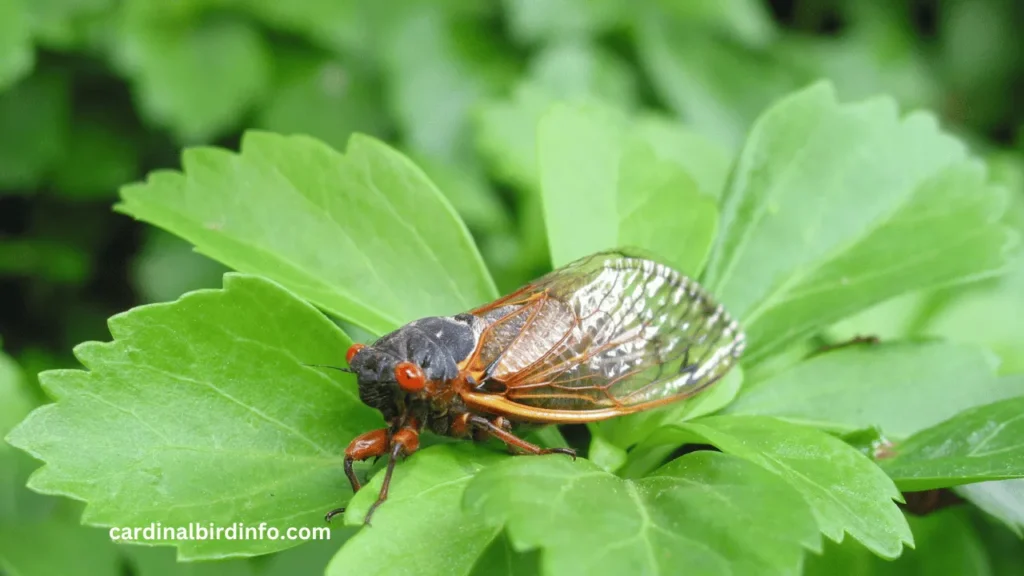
(236, 531)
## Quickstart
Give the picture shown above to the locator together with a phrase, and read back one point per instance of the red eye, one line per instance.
(352, 351)
(410, 376)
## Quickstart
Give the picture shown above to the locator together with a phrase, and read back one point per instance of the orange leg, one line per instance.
(368, 445)
(856, 340)
(499, 429)
(373, 444)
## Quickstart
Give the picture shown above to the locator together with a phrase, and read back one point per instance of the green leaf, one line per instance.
(34, 119)
(578, 70)
(421, 519)
(469, 193)
(339, 25)
(201, 411)
(324, 97)
(704, 70)
(501, 559)
(197, 80)
(707, 162)
(1003, 499)
(72, 25)
(160, 561)
(833, 208)
(988, 315)
(983, 443)
(846, 491)
(323, 225)
(877, 385)
(695, 511)
(532, 21)
(16, 503)
(946, 543)
(310, 558)
(438, 68)
(56, 547)
(605, 188)
(605, 454)
(17, 55)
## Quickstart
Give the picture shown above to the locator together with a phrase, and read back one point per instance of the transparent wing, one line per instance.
(608, 334)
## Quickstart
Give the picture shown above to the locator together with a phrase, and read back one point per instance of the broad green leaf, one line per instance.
(900, 387)
(988, 315)
(98, 160)
(71, 25)
(197, 80)
(697, 511)
(625, 431)
(324, 97)
(603, 187)
(534, 21)
(834, 208)
(575, 69)
(34, 119)
(604, 453)
(310, 558)
(421, 529)
(201, 411)
(747, 21)
(17, 56)
(365, 235)
(704, 160)
(1003, 499)
(946, 543)
(868, 62)
(339, 25)
(160, 561)
(501, 559)
(438, 68)
(983, 443)
(711, 76)
(507, 133)
(844, 488)
(469, 193)
(571, 71)
(56, 547)
(16, 503)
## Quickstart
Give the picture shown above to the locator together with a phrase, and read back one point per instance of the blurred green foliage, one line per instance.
(96, 93)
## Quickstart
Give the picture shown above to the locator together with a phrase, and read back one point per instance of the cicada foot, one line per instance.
(567, 451)
(856, 340)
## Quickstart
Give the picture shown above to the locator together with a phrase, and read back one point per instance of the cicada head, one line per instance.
(408, 363)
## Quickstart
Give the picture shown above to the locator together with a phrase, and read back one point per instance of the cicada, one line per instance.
(607, 335)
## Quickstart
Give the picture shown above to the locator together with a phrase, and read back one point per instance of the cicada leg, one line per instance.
(851, 342)
(404, 442)
(369, 445)
(499, 428)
